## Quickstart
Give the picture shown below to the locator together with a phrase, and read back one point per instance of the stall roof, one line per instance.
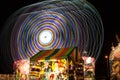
(52, 54)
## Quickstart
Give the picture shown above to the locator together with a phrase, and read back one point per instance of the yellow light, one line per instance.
(106, 57)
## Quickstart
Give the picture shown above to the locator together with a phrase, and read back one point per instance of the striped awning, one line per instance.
(52, 54)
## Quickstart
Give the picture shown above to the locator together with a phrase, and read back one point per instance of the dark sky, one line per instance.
(108, 9)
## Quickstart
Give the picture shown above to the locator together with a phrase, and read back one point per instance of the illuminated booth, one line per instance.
(55, 64)
(114, 60)
(89, 68)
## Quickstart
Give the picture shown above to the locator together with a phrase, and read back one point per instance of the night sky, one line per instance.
(110, 14)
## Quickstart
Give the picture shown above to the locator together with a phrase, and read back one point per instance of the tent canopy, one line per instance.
(52, 54)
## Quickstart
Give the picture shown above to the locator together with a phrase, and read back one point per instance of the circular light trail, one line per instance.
(56, 24)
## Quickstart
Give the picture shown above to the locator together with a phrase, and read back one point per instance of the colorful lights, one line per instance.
(59, 24)
(21, 68)
(55, 69)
